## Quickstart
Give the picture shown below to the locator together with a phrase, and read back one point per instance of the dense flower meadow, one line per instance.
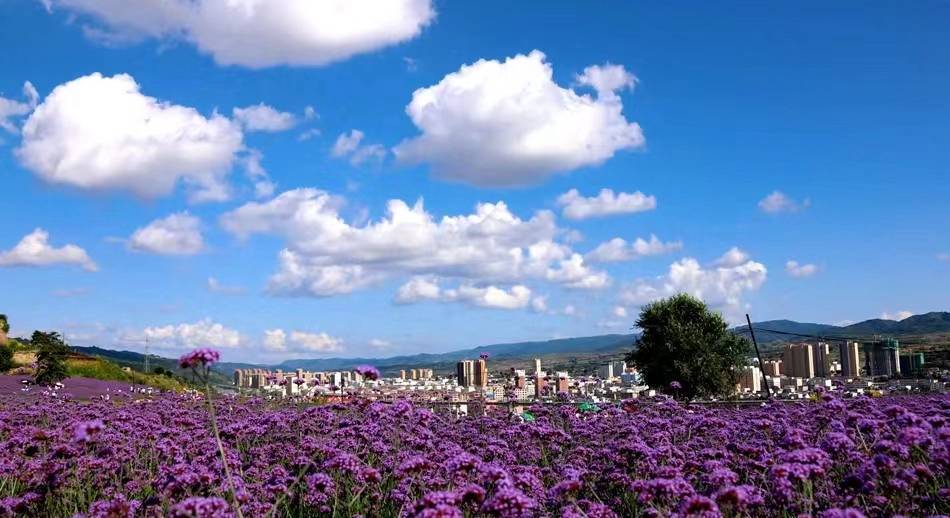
(157, 456)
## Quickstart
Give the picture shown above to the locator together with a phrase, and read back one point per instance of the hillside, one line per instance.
(928, 332)
(560, 351)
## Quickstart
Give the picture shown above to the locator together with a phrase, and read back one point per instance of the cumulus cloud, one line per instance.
(35, 250)
(606, 203)
(733, 257)
(418, 289)
(720, 286)
(350, 145)
(778, 202)
(325, 255)
(899, 315)
(502, 124)
(617, 249)
(278, 340)
(795, 269)
(262, 117)
(203, 333)
(619, 312)
(101, 133)
(11, 109)
(519, 296)
(177, 234)
(261, 33)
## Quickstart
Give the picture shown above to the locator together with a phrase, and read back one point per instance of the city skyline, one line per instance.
(326, 200)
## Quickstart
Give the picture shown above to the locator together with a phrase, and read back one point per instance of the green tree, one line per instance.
(6, 358)
(686, 343)
(51, 357)
(4, 324)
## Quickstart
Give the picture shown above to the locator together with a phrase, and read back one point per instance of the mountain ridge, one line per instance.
(767, 332)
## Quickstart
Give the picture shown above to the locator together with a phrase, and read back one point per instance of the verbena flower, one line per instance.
(199, 358)
(368, 371)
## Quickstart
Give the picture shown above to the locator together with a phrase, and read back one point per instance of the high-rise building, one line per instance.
(912, 364)
(850, 359)
(750, 380)
(822, 360)
(563, 382)
(772, 368)
(481, 373)
(537, 366)
(539, 383)
(465, 370)
(520, 380)
(798, 361)
(606, 372)
(882, 358)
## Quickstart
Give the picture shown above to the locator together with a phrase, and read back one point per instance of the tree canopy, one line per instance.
(685, 344)
(4, 324)
(51, 356)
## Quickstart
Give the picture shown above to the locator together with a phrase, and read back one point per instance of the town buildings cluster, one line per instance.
(802, 368)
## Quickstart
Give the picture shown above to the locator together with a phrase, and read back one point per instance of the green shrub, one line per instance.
(6, 358)
(51, 357)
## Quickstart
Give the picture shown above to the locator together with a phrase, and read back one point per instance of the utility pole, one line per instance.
(758, 355)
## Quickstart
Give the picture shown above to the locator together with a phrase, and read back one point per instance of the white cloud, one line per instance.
(617, 249)
(606, 80)
(325, 255)
(778, 202)
(275, 340)
(794, 269)
(100, 133)
(733, 257)
(721, 287)
(10, 109)
(899, 315)
(177, 234)
(418, 289)
(215, 286)
(315, 342)
(569, 310)
(619, 312)
(35, 250)
(350, 145)
(262, 117)
(517, 297)
(203, 333)
(606, 203)
(308, 134)
(262, 33)
(310, 113)
(501, 124)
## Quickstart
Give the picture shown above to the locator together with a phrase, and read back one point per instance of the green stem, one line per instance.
(224, 458)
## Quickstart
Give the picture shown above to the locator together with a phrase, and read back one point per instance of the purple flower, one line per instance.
(675, 385)
(87, 431)
(367, 371)
(699, 506)
(842, 513)
(298, 381)
(199, 358)
(201, 507)
(483, 356)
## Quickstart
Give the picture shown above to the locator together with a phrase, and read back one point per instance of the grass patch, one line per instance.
(96, 368)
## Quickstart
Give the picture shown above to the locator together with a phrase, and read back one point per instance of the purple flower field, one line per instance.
(157, 457)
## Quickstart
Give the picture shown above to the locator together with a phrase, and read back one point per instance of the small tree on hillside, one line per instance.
(6, 358)
(684, 342)
(4, 324)
(51, 357)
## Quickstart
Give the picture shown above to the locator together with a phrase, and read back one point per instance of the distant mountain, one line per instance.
(510, 351)
(772, 330)
(935, 322)
(575, 353)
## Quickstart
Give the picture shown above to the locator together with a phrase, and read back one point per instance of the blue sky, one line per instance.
(150, 176)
